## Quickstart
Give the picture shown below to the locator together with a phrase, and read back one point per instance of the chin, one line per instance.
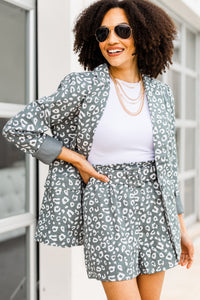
(116, 63)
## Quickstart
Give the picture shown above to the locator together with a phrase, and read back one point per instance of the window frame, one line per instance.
(181, 123)
(7, 110)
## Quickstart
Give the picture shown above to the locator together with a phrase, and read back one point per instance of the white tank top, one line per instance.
(120, 137)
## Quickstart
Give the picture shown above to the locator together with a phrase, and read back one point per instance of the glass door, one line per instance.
(17, 170)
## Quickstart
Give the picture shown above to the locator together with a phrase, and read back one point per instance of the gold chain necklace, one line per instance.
(133, 100)
(140, 98)
(130, 87)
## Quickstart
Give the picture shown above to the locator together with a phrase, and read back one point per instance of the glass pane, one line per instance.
(189, 197)
(13, 179)
(174, 80)
(13, 265)
(189, 148)
(190, 50)
(190, 111)
(12, 53)
(177, 44)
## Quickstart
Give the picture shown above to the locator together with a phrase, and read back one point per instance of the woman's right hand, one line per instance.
(80, 162)
(86, 169)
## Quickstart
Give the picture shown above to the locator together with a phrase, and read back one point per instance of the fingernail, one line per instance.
(107, 179)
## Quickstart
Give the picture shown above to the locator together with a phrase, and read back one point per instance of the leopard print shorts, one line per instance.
(125, 229)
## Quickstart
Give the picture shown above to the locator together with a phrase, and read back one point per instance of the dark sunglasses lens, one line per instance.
(123, 31)
(102, 34)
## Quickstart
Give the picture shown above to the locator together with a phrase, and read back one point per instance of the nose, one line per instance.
(112, 37)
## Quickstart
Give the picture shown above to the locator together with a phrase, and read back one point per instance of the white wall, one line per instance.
(53, 64)
(194, 5)
(62, 271)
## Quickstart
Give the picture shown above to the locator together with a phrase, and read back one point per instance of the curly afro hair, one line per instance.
(153, 33)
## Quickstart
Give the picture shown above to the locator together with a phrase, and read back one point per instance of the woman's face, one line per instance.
(123, 58)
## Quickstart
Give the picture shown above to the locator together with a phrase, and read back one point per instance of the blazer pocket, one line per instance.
(62, 205)
(64, 181)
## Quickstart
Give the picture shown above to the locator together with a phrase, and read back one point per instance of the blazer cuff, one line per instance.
(49, 150)
(179, 205)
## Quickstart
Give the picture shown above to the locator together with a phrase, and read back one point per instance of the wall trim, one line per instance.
(183, 11)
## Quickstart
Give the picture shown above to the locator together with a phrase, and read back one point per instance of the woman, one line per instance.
(113, 187)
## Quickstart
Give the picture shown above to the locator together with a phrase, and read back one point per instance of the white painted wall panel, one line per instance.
(194, 5)
(74, 12)
(53, 65)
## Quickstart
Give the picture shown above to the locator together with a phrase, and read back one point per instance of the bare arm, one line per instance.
(79, 161)
(68, 155)
(182, 223)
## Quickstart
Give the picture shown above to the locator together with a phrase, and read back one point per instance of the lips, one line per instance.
(114, 51)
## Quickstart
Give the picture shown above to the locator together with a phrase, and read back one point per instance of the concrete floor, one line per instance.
(181, 283)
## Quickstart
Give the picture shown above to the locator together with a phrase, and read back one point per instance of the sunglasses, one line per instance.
(122, 30)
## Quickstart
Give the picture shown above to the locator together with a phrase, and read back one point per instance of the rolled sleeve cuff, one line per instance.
(49, 150)
(179, 204)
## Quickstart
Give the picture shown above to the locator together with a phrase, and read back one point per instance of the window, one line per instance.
(182, 77)
(13, 252)
(17, 195)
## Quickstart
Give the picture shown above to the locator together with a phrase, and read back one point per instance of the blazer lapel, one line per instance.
(92, 109)
(95, 103)
(160, 124)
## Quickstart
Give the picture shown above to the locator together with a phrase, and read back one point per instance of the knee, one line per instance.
(129, 298)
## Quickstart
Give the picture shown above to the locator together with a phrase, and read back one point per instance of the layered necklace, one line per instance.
(123, 97)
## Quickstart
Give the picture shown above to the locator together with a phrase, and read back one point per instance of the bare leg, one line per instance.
(122, 290)
(150, 285)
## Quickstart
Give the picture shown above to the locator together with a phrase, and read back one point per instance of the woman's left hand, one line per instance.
(187, 253)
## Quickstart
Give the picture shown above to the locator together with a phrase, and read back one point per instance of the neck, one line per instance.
(128, 75)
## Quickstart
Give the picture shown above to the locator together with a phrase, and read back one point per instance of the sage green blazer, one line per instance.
(72, 113)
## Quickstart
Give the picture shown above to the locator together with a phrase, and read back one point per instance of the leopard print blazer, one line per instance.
(72, 113)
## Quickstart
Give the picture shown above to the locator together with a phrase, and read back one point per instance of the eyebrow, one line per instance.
(116, 25)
